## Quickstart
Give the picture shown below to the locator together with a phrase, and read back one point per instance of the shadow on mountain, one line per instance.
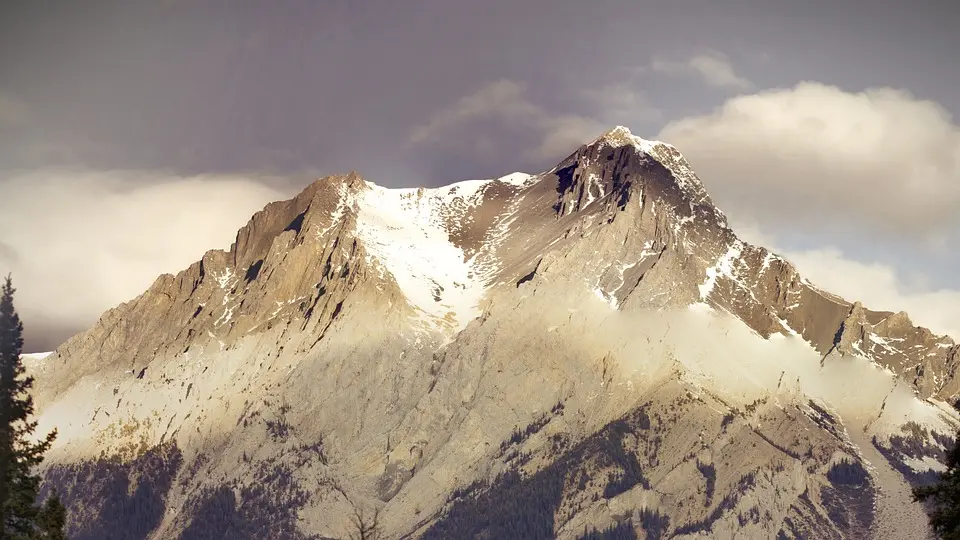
(117, 500)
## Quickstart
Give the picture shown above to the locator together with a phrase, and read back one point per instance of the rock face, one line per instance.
(586, 351)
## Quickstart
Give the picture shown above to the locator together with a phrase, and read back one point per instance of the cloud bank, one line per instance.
(816, 157)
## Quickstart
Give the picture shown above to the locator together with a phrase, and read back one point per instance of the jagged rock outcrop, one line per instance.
(529, 356)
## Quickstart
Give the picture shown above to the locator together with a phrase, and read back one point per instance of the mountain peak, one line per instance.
(690, 190)
(622, 136)
(390, 343)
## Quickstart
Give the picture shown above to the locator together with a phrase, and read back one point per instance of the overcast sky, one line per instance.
(136, 135)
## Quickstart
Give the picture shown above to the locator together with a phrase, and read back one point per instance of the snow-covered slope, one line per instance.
(593, 342)
(35, 356)
(407, 232)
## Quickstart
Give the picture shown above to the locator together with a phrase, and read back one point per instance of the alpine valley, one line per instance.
(589, 352)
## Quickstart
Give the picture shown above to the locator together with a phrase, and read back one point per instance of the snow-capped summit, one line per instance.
(593, 340)
(665, 153)
(622, 136)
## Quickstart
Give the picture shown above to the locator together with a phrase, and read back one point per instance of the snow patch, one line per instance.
(923, 465)
(35, 357)
(225, 279)
(786, 326)
(621, 136)
(405, 232)
(594, 190)
(767, 259)
(337, 214)
(518, 179)
(611, 298)
(724, 267)
(883, 343)
(225, 317)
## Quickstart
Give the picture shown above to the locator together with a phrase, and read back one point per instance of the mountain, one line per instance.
(589, 352)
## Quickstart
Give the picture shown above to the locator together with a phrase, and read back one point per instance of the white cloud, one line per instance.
(814, 156)
(507, 102)
(712, 66)
(80, 242)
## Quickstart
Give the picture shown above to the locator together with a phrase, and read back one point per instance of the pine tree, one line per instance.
(52, 519)
(19, 484)
(943, 498)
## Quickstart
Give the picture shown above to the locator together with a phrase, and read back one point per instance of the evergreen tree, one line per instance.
(52, 519)
(19, 484)
(944, 498)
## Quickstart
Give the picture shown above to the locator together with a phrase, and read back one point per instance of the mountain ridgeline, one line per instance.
(589, 352)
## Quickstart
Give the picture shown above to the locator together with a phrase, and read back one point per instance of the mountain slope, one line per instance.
(593, 340)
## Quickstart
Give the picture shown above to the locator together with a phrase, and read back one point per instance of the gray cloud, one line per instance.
(558, 133)
(622, 102)
(99, 238)
(13, 112)
(713, 67)
(507, 102)
(501, 98)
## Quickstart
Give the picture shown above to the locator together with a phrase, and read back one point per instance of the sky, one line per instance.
(136, 135)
